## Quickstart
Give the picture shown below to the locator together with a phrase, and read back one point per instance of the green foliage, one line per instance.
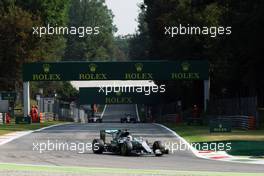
(122, 48)
(91, 47)
(64, 90)
(235, 60)
(139, 44)
(17, 43)
(67, 92)
(52, 12)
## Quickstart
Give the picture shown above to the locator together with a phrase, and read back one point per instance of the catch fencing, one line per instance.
(242, 112)
(59, 110)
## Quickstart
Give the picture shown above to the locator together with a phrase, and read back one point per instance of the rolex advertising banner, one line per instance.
(220, 125)
(125, 95)
(134, 70)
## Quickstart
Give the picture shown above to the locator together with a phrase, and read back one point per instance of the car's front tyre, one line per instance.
(158, 148)
(126, 148)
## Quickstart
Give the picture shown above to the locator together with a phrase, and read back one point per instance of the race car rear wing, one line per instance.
(112, 132)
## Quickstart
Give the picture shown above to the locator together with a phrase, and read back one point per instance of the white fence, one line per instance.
(62, 110)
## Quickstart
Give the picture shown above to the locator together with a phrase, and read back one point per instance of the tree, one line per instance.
(18, 45)
(54, 13)
(122, 47)
(139, 44)
(90, 13)
(235, 60)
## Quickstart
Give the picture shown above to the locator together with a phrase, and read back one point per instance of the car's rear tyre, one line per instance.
(126, 148)
(99, 120)
(98, 146)
(102, 135)
(157, 145)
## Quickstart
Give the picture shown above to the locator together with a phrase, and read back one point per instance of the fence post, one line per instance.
(26, 99)
(257, 113)
(206, 93)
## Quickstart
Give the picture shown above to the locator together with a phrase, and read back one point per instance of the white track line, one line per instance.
(13, 136)
(44, 128)
(19, 134)
(138, 118)
(102, 114)
(199, 155)
(194, 150)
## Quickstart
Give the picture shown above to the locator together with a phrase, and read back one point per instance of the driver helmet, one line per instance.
(129, 138)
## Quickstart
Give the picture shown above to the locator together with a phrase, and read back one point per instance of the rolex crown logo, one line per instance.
(139, 67)
(92, 67)
(185, 66)
(46, 68)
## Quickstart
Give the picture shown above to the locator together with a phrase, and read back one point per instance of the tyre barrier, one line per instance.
(241, 122)
(252, 123)
(41, 118)
(176, 118)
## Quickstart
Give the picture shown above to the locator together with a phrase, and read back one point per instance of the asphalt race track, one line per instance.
(21, 150)
(113, 113)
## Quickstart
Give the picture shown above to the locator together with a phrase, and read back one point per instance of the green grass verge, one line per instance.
(116, 171)
(202, 134)
(247, 148)
(8, 128)
(243, 143)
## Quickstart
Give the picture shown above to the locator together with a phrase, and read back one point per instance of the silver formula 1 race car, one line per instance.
(124, 144)
(95, 119)
(128, 119)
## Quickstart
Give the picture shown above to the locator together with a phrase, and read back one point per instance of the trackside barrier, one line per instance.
(72, 114)
(252, 123)
(2, 118)
(175, 118)
(41, 119)
(48, 116)
(241, 122)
